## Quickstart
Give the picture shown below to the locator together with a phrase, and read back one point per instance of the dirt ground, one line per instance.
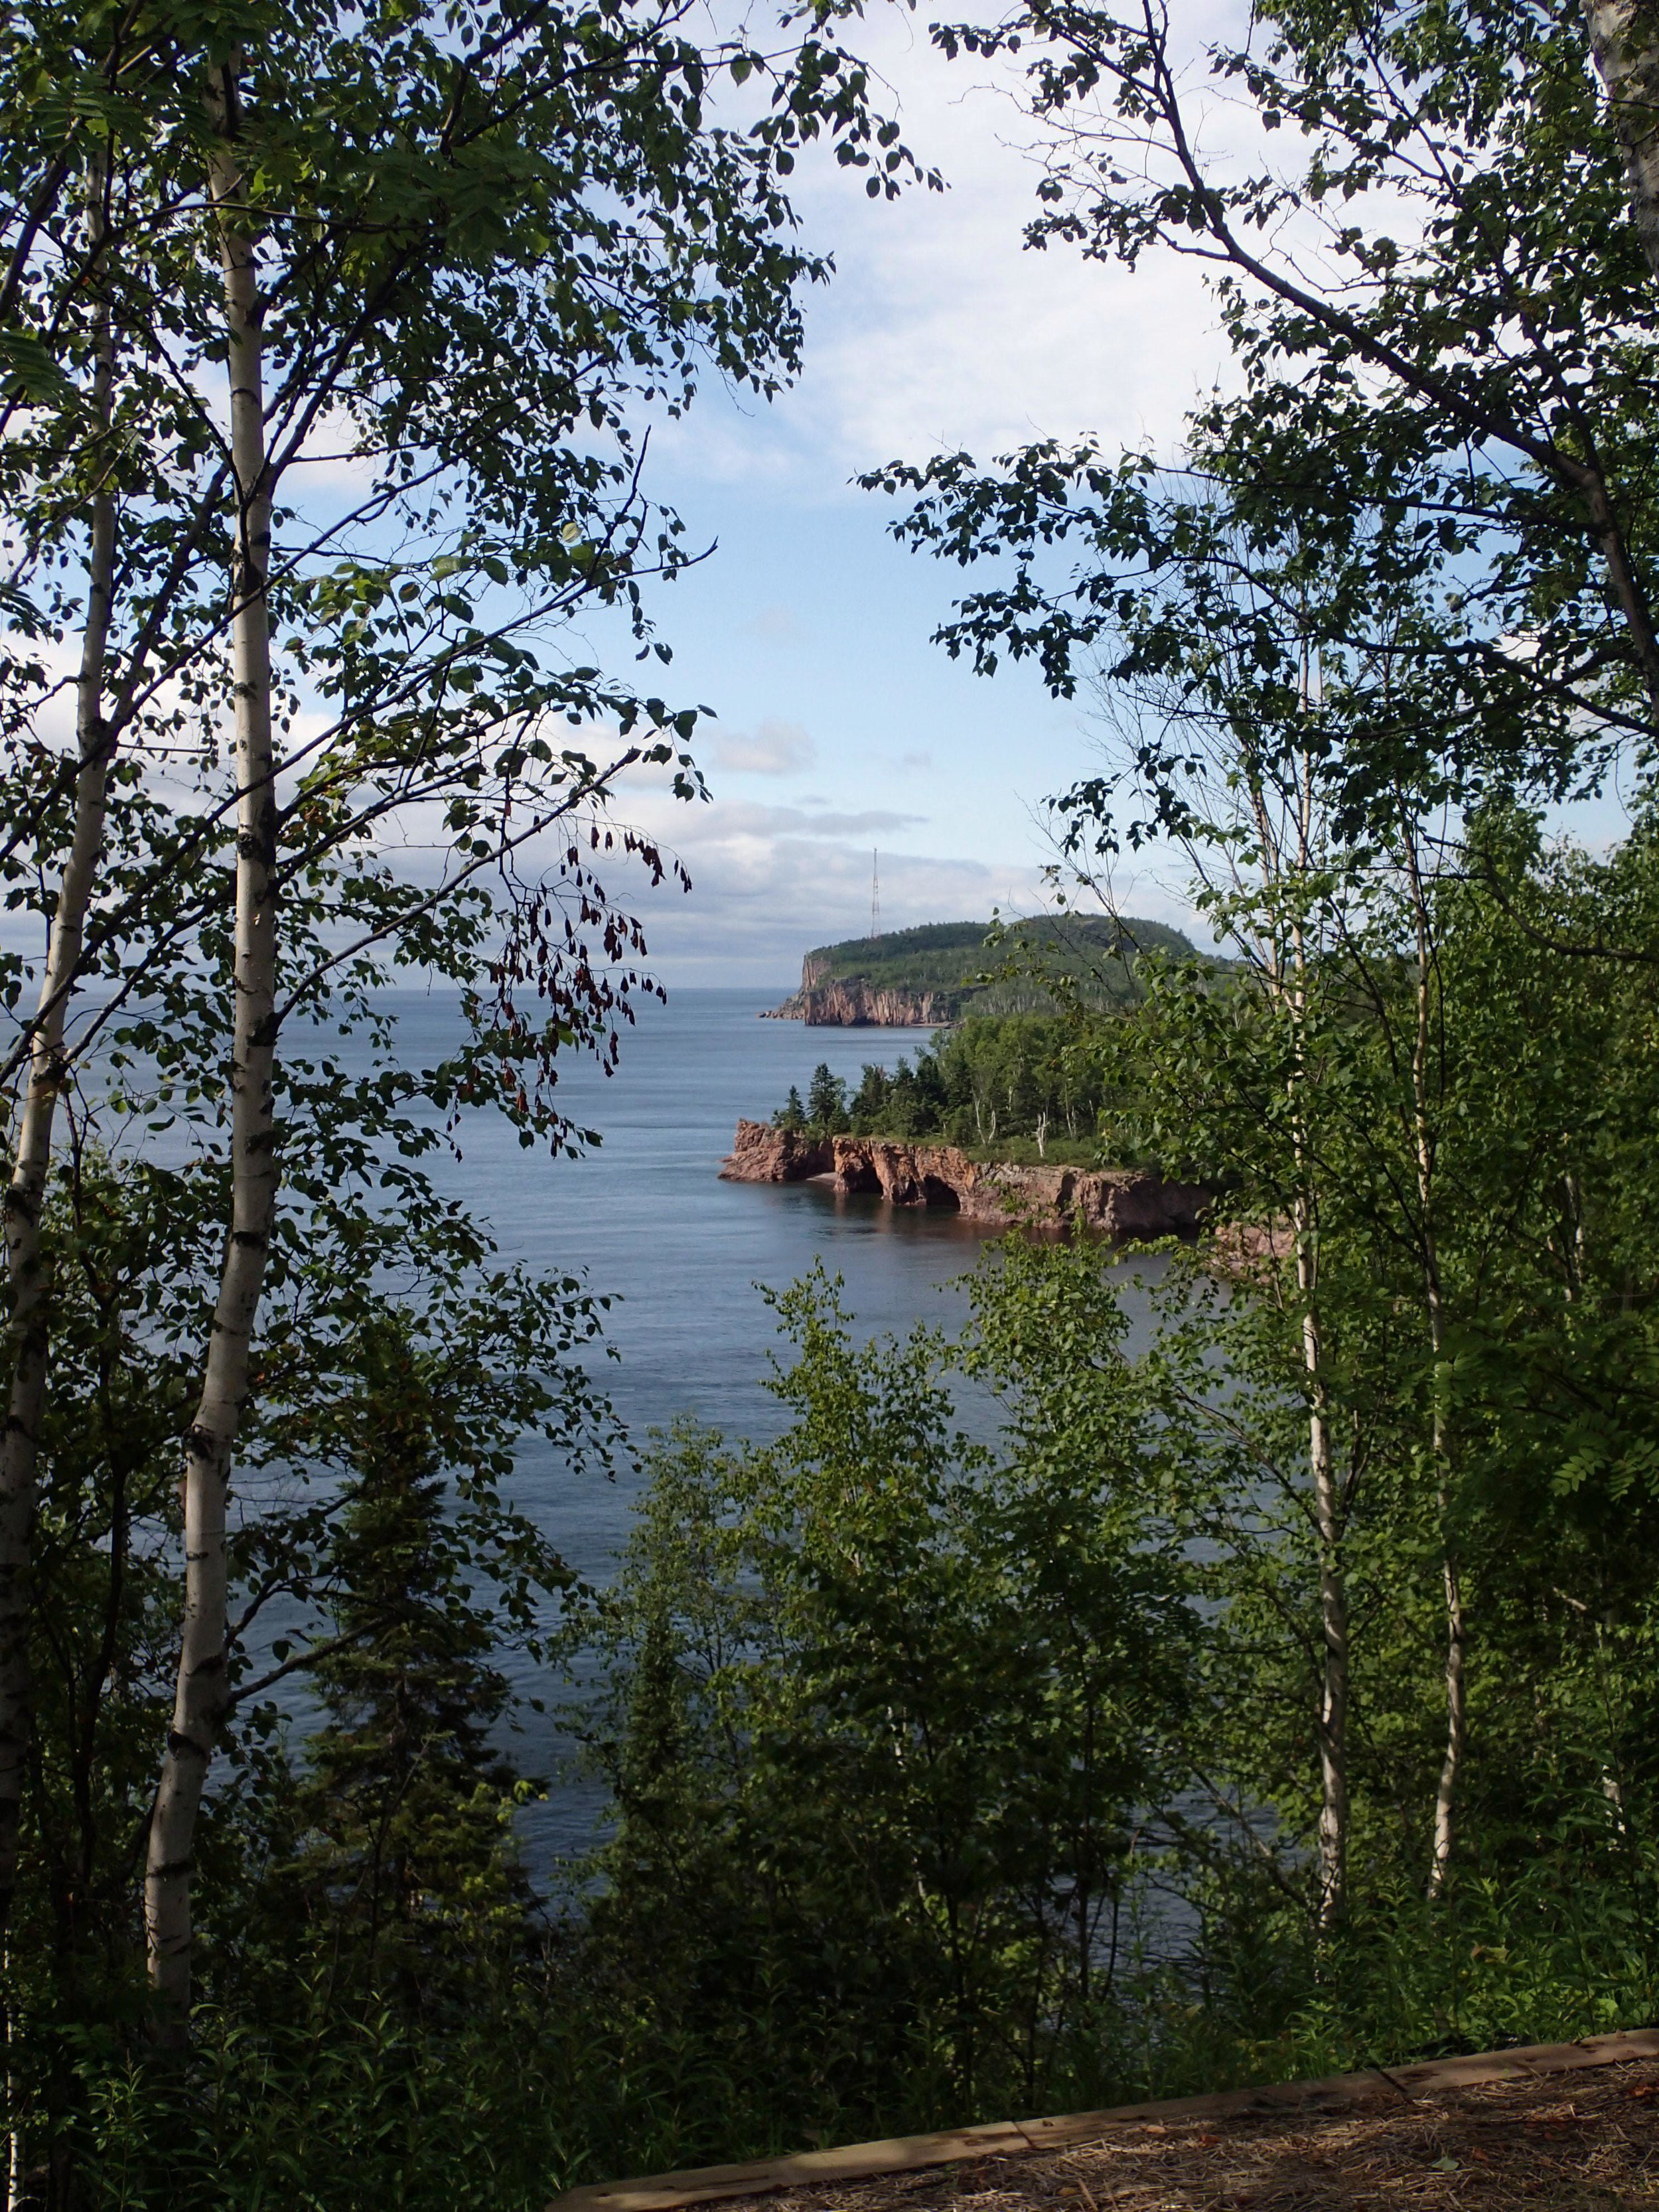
(1578, 2142)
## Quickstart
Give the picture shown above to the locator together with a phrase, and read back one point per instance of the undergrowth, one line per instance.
(336, 2111)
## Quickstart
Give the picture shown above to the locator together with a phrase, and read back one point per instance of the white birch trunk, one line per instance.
(1623, 37)
(25, 1196)
(199, 1705)
(1457, 1722)
(1451, 1763)
(1332, 1728)
(1331, 1731)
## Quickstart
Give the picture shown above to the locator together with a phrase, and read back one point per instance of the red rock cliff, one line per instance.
(854, 1005)
(1122, 1203)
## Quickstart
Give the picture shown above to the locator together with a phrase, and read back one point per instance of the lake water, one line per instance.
(646, 1219)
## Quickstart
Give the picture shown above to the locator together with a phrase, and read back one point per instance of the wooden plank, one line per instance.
(1630, 2043)
(660, 2192)
(1433, 2074)
(667, 2192)
(1327, 2094)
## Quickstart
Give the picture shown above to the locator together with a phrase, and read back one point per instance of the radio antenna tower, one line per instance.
(875, 896)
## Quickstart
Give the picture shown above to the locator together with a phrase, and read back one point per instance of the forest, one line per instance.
(1000, 1085)
(1057, 1711)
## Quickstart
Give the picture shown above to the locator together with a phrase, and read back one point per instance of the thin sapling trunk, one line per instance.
(1331, 1731)
(1424, 1149)
(26, 1270)
(200, 1701)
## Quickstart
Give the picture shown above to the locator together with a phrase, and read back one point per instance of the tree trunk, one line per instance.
(25, 1197)
(1331, 1731)
(1333, 1726)
(1451, 1763)
(1623, 37)
(199, 1704)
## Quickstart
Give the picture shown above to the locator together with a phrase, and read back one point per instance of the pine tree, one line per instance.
(406, 1800)
(826, 1102)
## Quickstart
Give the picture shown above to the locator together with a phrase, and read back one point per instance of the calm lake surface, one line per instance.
(646, 1218)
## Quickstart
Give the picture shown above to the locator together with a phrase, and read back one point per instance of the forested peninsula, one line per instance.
(1017, 1120)
(1011, 1088)
(943, 971)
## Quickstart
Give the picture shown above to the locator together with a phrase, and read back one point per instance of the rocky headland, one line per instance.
(942, 972)
(827, 1001)
(1123, 1203)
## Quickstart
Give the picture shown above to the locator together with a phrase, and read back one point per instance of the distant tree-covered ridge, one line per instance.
(945, 970)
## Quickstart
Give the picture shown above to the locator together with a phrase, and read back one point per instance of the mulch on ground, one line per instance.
(1575, 2143)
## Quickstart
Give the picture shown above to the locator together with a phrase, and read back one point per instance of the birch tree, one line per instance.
(1425, 268)
(1624, 36)
(1423, 258)
(26, 1192)
(203, 1684)
(1241, 1087)
(1251, 675)
(1419, 1085)
(467, 257)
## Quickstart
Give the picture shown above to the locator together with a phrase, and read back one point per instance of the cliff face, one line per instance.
(1122, 1203)
(823, 1002)
(762, 1154)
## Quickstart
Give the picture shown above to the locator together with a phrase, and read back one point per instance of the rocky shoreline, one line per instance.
(1124, 1204)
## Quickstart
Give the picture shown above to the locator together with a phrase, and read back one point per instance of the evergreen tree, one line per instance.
(406, 1799)
(871, 1101)
(826, 1102)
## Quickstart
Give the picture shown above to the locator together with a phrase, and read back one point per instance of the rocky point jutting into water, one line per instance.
(827, 1001)
(1122, 1203)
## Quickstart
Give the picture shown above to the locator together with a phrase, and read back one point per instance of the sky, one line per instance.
(840, 730)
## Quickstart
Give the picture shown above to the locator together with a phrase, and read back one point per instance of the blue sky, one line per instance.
(840, 727)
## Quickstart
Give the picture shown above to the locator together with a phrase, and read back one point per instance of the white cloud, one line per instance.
(775, 748)
(940, 329)
(725, 821)
(759, 904)
(331, 457)
(769, 883)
